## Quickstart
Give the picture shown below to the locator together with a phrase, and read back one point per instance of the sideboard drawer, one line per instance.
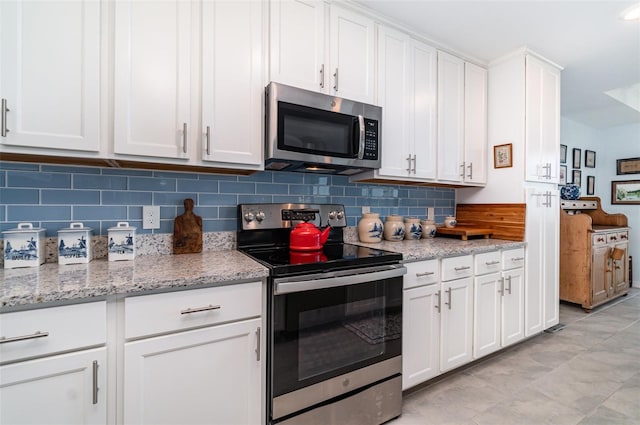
(457, 267)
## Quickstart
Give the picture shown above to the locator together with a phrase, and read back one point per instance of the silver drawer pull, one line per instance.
(517, 259)
(199, 309)
(94, 392)
(492, 263)
(461, 268)
(4, 340)
(425, 274)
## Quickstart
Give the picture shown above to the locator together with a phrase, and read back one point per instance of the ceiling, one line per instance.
(598, 50)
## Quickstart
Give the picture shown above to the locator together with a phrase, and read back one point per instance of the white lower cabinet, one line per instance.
(456, 337)
(209, 375)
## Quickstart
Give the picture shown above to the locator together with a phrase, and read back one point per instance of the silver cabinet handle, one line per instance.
(414, 164)
(547, 174)
(492, 263)
(258, 344)
(208, 140)
(362, 134)
(501, 290)
(38, 334)
(470, 167)
(95, 382)
(409, 163)
(322, 76)
(509, 287)
(461, 268)
(184, 137)
(462, 169)
(3, 117)
(449, 296)
(200, 309)
(335, 87)
(517, 259)
(425, 274)
(439, 305)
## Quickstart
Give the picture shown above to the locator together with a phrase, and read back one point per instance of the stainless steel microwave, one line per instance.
(315, 132)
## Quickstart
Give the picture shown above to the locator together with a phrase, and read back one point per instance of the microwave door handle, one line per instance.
(361, 142)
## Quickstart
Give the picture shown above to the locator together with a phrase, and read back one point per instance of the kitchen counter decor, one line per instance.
(23, 246)
(413, 228)
(370, 228)
(74, 244)
(122, 243)
(394, 228)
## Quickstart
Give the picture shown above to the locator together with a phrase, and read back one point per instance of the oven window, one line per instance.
(310, 130)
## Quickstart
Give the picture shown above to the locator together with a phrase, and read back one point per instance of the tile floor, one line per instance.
(586, 373)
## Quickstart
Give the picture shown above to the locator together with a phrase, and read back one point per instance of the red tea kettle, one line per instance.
(307, 237)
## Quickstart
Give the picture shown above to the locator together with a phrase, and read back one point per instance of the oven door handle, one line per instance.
(287, 285)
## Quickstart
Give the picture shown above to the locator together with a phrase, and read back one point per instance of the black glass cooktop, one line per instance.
(284, 262)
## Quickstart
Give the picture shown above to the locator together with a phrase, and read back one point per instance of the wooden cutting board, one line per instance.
(187, 231)
(464, 231)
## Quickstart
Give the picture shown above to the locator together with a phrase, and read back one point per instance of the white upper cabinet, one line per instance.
(152, 78)
(232, 83)
(50, 74)
(407, 93)
(450, 117)
(542, 122)
(300, 56)
(475, 124)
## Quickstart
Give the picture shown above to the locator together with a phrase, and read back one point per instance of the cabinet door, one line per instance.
(450, 117)
(50, 73)
(600, 273)
(351, 50)
(620, 268)
(62, 389)
(542, 123)
(152, 63)
(422, 100)
(297, 44)
(487, 300)
(512, 329)
(420, 334)
(550, 252)
(232, 82)
(457, 323)
(475, 124)
(209, 375)
(393, 91)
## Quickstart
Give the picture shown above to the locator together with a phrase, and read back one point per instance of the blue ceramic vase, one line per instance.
(570, 192)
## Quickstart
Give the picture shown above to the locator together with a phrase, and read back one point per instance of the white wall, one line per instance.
(609, 144)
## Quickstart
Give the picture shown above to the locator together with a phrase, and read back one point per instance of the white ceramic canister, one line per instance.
(428, 228)
(74, 244)
(23, 246)
(413, 228)
(370, 228)
(450, 221)
(394, 228)
(122, 242)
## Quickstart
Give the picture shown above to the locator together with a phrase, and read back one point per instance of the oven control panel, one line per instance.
(278, 216)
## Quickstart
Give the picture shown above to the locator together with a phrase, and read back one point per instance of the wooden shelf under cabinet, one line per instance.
(594, 265)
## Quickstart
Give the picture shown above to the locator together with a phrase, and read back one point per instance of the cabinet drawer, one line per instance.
(623, 236)
(35, 333)
(612, 237)
(162, 313)
(422, 273)
(457, 267)
(599, 239)
(487, 262)
(512, 258)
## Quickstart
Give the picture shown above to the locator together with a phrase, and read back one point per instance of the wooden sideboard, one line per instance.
(594, 263)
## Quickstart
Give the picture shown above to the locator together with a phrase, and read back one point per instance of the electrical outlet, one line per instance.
(431, 215)
(151, 217)
(366, 210)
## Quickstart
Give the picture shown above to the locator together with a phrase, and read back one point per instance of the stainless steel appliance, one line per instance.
(314, 132)
(334, 320)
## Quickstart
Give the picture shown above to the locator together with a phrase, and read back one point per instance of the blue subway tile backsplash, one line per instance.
(52, 196)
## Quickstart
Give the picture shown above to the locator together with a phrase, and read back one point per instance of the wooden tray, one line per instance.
(464, 231)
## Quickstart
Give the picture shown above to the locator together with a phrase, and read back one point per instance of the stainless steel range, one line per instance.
(334, 320)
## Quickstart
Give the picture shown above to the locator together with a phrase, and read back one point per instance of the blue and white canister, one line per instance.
(74, 244)
(570, 192)
(413, 228)
(428, 228)
(122, 242)
(370, 228)
(23, 246)
(394, 228)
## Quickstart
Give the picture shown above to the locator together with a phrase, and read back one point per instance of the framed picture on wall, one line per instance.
(563, 154)
(589, 159)
(502, 156)
(628, 166)
(625, 192)
(591, 185)
(563, 175)
(577, 178)
(577, 153)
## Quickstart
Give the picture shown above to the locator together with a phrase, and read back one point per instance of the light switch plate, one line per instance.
(151, 217)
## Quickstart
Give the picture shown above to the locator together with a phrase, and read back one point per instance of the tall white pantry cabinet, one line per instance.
(524, 110)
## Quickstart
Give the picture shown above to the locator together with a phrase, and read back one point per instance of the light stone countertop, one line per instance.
(27, 287)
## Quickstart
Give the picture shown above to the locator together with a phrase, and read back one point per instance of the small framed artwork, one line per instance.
(563, 154)
(625, 192)
(589, 159)
(577, 178)
(628, 166)
(591, 185)
(502, 156)
(563, 175)
(577, 153)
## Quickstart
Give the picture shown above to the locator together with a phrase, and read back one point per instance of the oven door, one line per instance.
(333, 333)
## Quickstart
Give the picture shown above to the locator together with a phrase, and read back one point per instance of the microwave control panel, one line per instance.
(370, 139)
